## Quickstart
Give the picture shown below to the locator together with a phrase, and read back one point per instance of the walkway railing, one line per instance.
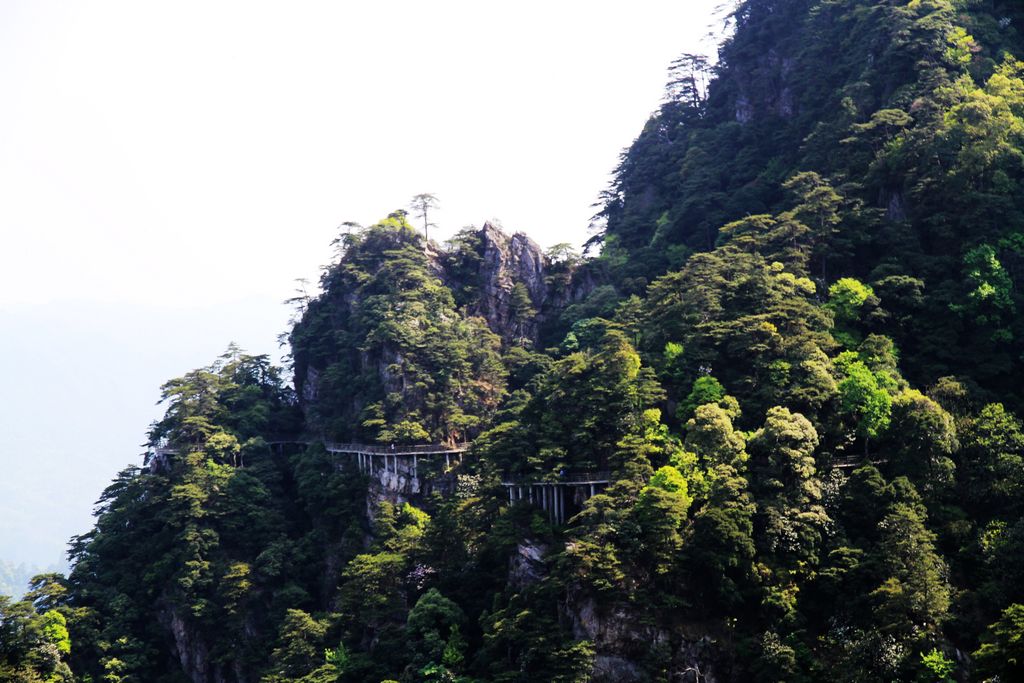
(572, 478)
(375, 449)
(550, 495)
(855, 461)
(353, 448)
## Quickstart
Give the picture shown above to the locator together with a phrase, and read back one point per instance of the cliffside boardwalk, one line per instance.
(366, 456)
(365, 453)
(377, 459)
(551, 495)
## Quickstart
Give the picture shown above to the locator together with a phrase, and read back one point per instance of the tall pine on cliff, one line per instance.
(794, 363)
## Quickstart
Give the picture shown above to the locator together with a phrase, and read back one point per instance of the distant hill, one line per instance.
(14, 578)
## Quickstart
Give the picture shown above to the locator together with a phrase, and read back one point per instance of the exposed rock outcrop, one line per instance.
(509, 282)
(194, 654)
(767, 90)
(622, 641)
(508, 261)
(526, 565)
(401, 481)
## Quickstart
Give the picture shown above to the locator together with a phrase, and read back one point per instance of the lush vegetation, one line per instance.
(393, 358)
(797, 363)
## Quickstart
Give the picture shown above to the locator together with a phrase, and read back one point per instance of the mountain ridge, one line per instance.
(795, 358)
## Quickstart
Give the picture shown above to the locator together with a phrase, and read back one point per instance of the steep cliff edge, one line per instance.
(511, 267)
(368, 351)
(775, 499)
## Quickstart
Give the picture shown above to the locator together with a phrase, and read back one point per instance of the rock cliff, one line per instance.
(504, 279)
(511, 267)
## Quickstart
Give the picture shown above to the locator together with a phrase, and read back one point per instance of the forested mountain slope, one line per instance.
(769, 433)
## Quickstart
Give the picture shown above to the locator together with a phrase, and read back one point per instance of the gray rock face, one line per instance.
(193, 653)
(506, 262)
(398, 480)
(526, 566)
(509, 267)
(767, 90)
(621, 641)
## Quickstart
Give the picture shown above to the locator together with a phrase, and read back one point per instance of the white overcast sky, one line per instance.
(174, 152)
(167, 167)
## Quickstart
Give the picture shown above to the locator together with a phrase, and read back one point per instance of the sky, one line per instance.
(168, 171)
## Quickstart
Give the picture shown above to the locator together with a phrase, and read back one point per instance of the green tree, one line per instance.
(706, 389)
(300, 644)
(926, 441)
(846, 297)
(423, 204)
(791, 518)
(865, 401)
(1001, 655)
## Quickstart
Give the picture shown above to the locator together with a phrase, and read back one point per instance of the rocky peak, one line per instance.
(508, 262)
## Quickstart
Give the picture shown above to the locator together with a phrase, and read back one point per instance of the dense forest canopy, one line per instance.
(770, 432)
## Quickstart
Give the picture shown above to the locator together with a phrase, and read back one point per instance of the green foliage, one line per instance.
(1001, 655)
(706, 389)
(865, 401)
(795, 241)
(847, 296)
(301, 644)
(990, 302)
(792, 519)
(938, 665)
(845, 299)
(34, 645)
(433, 626)
(394, 359)
(583, 407)
(731, 303)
